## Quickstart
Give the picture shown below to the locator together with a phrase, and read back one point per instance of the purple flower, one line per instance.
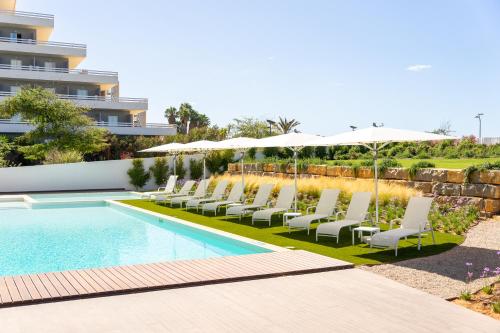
(470, 274)
(498, 252)
(486, 269)
(468, 264)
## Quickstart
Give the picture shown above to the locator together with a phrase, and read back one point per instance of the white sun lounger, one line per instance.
(414, 222)
(356, 214)
(260, 200)
(184, 191)
(283, 204)
(233, 197)
(200, 192)
(323, 211)
(217, 194)
(167, 189)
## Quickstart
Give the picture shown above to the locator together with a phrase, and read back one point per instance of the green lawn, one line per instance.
(445, 163)
(278, 235)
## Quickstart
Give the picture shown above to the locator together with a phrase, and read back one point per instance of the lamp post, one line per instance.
(353, 127)
(271, 124)
(478, 116)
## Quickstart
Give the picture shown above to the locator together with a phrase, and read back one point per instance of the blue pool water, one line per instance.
(84, 196)
(76, 236)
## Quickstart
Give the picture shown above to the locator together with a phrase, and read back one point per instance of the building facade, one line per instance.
(28, 58)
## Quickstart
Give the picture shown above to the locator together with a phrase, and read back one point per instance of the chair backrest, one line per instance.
(236, 192)
(262, 195)
(358, 207)
(285, 197)
(327, 201)
(186, 188)
(219, 189)
(201, 190)
(170, 186)
(416, 214)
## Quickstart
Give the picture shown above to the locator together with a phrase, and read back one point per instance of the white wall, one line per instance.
(74, 176)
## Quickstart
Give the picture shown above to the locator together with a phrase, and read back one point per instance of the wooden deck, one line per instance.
(48, 287)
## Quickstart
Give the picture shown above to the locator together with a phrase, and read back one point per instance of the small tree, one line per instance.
(180, 171)
(195, 169)
(160, 170)
(138, 175)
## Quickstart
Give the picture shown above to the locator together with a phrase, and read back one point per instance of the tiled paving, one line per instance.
(47, 287)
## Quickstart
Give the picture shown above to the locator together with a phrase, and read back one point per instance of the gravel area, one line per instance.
(444, 274)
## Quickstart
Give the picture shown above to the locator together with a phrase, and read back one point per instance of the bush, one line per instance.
(160, 170)
(195, 169)
(457, 221)
(412, 171)
(320, 152)
(217, 161)
(468, 172)
(180, 171)
(138, 175)
(61, 157)
(388, 163)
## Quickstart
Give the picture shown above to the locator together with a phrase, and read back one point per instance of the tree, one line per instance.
(444, 128)
(249, 127)
(171, 115)
(58, 124)
(286, 126)
(160, 170)
(185, 112)
(137, 174)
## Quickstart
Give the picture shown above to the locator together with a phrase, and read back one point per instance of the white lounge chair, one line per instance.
(414, 222)
(356, 214)
(234, 197)
(184, 191)
(323, 211)
(167, 189)
(283, 205)
(216, 195)
(261, 199)
(200, 192)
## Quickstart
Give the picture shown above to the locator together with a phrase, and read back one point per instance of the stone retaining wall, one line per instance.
(446, 185)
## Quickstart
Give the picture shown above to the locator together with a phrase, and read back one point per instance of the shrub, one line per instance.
(138, 175)
(466, 296)
(388, 163)
(320, 152)
(180, 171)
(457, 221)
(412, 171)
(160, 170)
(195, 169)
(468, 172)
(496, 307)
(217, 161)
(61, 157)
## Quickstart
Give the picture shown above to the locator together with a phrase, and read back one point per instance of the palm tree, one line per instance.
(171, 115)
(286, 126)
(185, 113)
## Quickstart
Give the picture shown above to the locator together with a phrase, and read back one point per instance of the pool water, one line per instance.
(77, 236)
(84, 196)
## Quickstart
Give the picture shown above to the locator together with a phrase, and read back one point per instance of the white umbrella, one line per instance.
(173, 148)
(293, 141)
(242, 144)
(375, 138)
(202, 146)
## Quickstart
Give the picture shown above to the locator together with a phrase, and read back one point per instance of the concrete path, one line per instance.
(444, 274)
(349, 300)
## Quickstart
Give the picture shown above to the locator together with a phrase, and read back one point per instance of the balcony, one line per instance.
(150, 129)
(74, 52)
(58, 74)
(42, 23)
(99, 102)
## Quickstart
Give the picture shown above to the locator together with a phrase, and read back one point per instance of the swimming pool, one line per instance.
(78, 235)
(84, 196)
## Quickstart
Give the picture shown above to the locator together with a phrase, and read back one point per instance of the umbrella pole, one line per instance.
(295, 180)
(175, 169)
(204, 172)
(242, 175)
(375, 166)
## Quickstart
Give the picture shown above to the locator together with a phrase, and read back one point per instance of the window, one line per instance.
(16, 63)
(50, 66)
(112, 120)
(52, 90)
(82, 93)
(15, 89)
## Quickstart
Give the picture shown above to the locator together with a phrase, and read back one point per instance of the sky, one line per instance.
(329, 64)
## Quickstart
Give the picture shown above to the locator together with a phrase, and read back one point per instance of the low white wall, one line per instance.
(74, 176)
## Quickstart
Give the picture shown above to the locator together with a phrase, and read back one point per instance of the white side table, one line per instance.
(360, 230)
(290, 215)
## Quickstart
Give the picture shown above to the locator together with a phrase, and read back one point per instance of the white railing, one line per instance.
(38, 42)
(58, 70)
(90, 98)
(490, 141)
(27, 14)
(98, 124)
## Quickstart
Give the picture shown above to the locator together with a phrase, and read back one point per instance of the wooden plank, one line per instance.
(103, 276)
(146, 276)
(57, 285)
(39, 286)
(14, 293)
(178, 278)
(4, 291)
(83, 282)
(160, 275)
(23, 291)
(34, 294)
(116, 277)
(98, 280)
(48, 286)
(66, 284)
(131, 275)
(75, 284)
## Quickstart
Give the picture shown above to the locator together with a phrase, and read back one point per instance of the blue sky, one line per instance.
(329, 64)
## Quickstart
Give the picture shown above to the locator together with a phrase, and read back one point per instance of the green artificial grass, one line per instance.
(298, 239)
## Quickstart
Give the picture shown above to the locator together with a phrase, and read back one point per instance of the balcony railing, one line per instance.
(98, 124)
(38, 42)
(89, 98)
(27, 14)
(58, 70)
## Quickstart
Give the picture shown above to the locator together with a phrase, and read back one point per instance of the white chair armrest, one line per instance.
(310, 208)
(337, 214)
(395, 220)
